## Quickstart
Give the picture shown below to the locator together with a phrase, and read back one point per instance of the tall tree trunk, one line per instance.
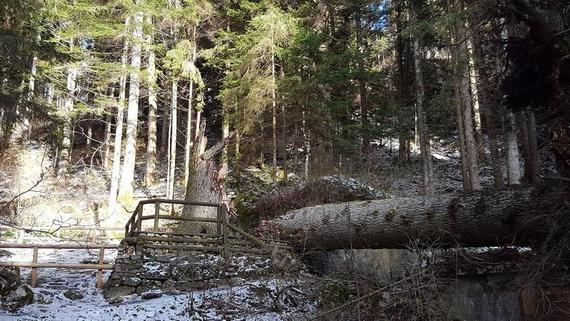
(363, 95)
(274, 116)
(306, 144)
(32, 80)
(463, 97)
(65, 152)
(496, 163)
(189, 136)
(522, 122)
(365, 123)
(189, 133)
(423, 130)
(474, 86)
(508, 217)
(106, 148)
(173, 139)
(489, 110)
(284, 143)
(205, 184)
(116, 170)
(89, 133)
(224, 168)
(150, 172)
(197, 123)
(128, 172)
(237, 153)
(404, 151)
(534, 166)
(164, 136)
(470, 140)
(106, 155)
(513, 158)
(461, 131)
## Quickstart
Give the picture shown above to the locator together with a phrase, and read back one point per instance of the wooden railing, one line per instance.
(34, 265)
(223, 227)
(93, 232)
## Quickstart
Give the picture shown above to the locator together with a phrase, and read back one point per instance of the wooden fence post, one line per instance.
(225, 244)
(140, 214)
(219, 224)
(35, 269)
(100, 271)
(156, 214)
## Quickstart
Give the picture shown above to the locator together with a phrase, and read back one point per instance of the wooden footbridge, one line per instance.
(150, 228)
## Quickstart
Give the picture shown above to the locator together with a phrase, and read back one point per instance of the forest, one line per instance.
(280, 160)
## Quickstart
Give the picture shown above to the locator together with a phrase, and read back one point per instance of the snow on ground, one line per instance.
(270, 299)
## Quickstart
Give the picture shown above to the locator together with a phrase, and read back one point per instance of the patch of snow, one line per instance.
(271, 299)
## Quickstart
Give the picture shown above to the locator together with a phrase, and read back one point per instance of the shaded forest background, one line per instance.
(299, 89)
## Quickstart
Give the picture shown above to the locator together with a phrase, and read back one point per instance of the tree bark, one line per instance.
(474, 86)
(106, 148)
(106, 154)
(189, 136)
(116, 170)
(534, 166)
(284, 143)
(513, 158)
(164, 131)
(225, 155)
(403, 139)
(306, 144)
(496, 163)
(362, 93)
(65, 152)
(128, 172)
(204, 184)
(150, 172)
(489, 109)
(173, 140)
(464, 99)
(423, 131)
(273, 117)
(461, 131)
(508, 217)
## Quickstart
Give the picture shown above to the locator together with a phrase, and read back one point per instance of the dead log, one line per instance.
(493, 218)
(322, 190)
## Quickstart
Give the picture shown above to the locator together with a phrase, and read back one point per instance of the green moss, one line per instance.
(390, 215)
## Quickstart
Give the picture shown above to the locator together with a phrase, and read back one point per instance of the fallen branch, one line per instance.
(358, 300)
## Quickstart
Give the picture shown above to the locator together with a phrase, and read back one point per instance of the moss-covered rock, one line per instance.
(14, 294)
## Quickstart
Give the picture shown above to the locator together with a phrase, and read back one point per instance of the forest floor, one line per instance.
(70, 295)
(261, 299)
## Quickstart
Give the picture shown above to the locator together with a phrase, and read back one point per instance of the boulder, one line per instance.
(14, 294)
(73, 295)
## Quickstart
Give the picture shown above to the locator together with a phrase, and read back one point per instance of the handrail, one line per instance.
(246, 235)
(178, 202)
(63, 228)
(58, 246)
(135, 221)
(223, 227)
(34, 265)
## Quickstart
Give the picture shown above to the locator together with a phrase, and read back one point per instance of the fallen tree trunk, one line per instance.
(510, 217)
